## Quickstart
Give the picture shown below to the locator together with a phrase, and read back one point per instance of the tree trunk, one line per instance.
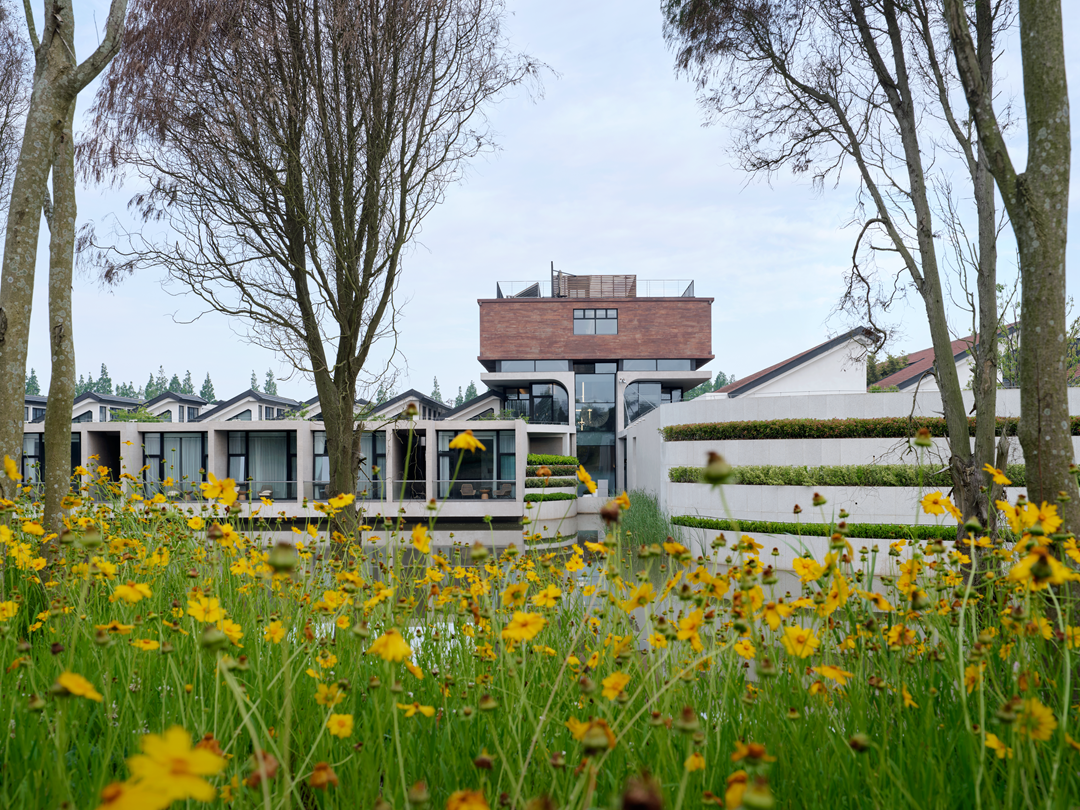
(57, 477)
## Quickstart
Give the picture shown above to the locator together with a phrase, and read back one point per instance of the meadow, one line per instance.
(161, 654)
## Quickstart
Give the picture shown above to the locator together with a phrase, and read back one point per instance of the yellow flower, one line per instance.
(547, 597)
(341, 501)
(800, 642)
(834, 673)
(130, 796)
(466, 441)
(145, 644)
(115, 627)
(524, 626)
(340, 725)
(639, 597)
(275, 632)
(745, 648)
(909, 701)
(72, 684)
(973, 676)
(131, 592)
(586, 479)
(328, 695)
(204, 609)
(411, 709)
(420, 539)
(1036, 720)
(11, 469)
(623, 501)
(996, 745)
(8, 610)
(675, 549)
(514, 595)
(614, 684)
(172, 767)
(233, 631)
(224, 490)
(196, 523)
(1040, 568)
(467, 800)
(657, 640)
(775, 613)
(999, 478)
(694, 762)
(390, 646)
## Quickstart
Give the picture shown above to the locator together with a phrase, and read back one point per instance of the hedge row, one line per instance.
(899, 427)
(556, 469)
(853, 475)
(550, 483)
(550, 496)
(540, 458)
(861, 531)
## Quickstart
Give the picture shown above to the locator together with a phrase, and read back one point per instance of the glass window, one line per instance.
(103, 413)
(638, 365)
(192, 414)
(165, 416)
(674, 365)
(86, 416)
(38, 414)
(552, 365)
(33, 457)
(595, 387)
(516, 365)
(605, 368)
(640, 398)
(483, 474)
(596, 322)
(244, 416)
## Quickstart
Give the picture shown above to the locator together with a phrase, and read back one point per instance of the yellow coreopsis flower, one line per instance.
(584, 477)
(340, 725)
(1040, 568)
(999, 478)
(745, 648)
(204, 609)
(224, 490)
(1036, 720)
(420, 539)
(774, 614)
(341, 501)
(841, 676)
(390, 646)
(467, 800)
(146, 644)
(466, 441)
(523, 626)
(174, 768)
(11, 469)
(547, 597)
(799, 641)
(196, 523)
(274, 632)
(639, 597)
(614, 684)
(71, 684)
(514, 595)
(328, 695)
(411, 709)
(8, 610)
(131, 592)
(1001, 751)
(694, 762)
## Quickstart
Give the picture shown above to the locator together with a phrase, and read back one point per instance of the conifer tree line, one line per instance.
(155, 385)
(452, 401)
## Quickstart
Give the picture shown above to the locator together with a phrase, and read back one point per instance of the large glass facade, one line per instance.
(539, 403)
(263, 463)
(369, 481)
(487, 473)
(641, 397)
(33, 456)
(594, 416)
(180, 457)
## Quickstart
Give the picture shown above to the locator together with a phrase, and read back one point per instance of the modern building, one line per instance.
(569, 364)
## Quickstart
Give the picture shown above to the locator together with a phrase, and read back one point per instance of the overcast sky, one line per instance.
(610, 172)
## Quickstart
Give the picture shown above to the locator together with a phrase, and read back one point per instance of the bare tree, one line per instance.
(824, 88)
(293, 147)
(14, 96)
(47, 147)
(1037, 200)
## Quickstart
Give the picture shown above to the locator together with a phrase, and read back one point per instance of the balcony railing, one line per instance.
(490, 489)
(254, 490)
(598, 287)
(365, 490)
(409, 490)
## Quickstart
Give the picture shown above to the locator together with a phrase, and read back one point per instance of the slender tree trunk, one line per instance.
(57, 477)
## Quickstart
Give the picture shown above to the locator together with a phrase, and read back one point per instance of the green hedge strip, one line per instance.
(852, 475)
(556, 469)
(861, 531)
(899, 427)
(550, 483)
(540, 458)
(550, 496)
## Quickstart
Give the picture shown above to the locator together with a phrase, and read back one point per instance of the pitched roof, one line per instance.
(784, 366)
(412, 393)
(166, 395)
(109, 399)
(257, 396)
(920, 364)
(464, 405)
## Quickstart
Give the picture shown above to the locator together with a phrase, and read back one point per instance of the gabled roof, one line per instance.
(747, 384)
(921, 363)
(412, 393)
(464, 406)
(34, 399)
(107, 399)
(190, 399)
(254, 396)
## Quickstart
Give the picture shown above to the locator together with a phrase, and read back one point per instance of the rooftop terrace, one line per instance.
(564, 285)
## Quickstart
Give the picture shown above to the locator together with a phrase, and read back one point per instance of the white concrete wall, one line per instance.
(841, 370)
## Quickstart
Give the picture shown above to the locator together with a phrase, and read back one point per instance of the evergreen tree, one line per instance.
(459, 400)
(436, 394)
(161, 382)
(150, 390)
(33, 387)
(80, 386)
(207, 390)
(470, 392)
(721, 380)
(89, 385)
(174, 384)
(104, 383)
(254, 381)
(270, 384)
(127, 390)
(187, 386)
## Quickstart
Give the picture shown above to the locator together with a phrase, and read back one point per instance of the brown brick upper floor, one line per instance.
(595, 329)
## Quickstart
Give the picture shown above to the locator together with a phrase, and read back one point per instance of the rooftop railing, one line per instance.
(597, 287)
